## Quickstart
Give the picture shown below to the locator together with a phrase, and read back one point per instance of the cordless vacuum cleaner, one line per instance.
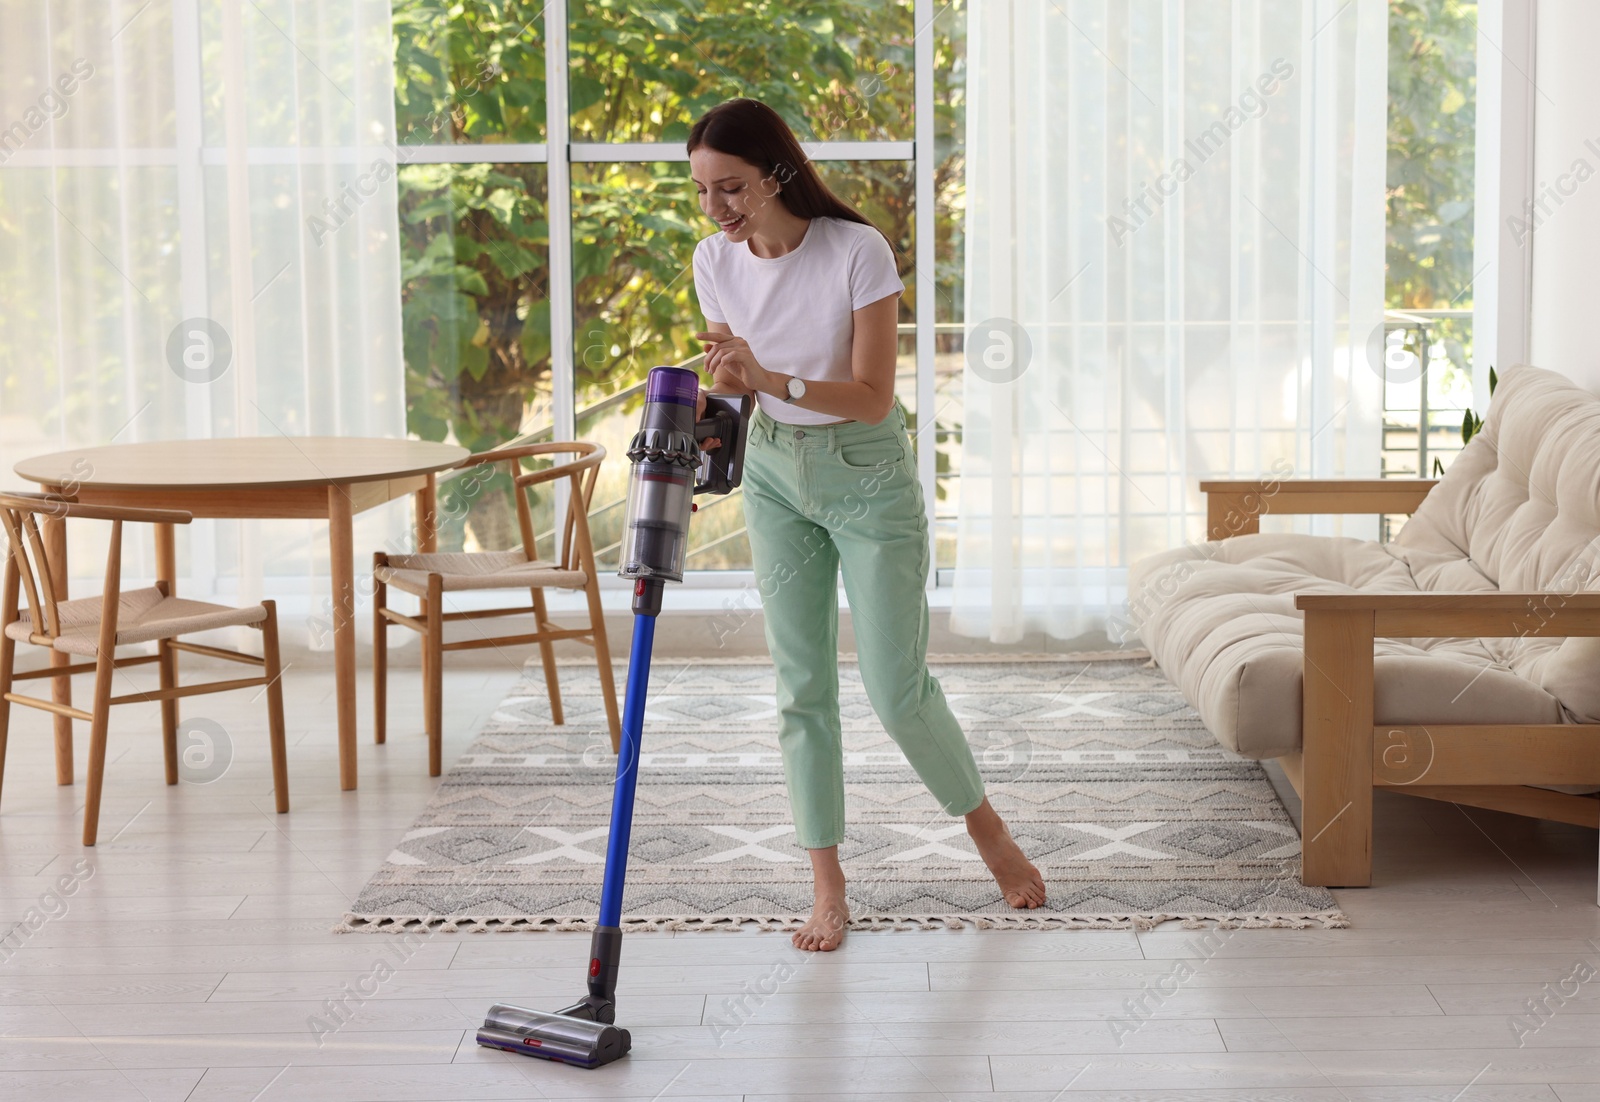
(669, 468)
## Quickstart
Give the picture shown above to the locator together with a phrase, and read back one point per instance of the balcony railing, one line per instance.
(1415, 434)
(1419, 438)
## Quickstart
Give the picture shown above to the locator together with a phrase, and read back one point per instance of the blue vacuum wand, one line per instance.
(669, 468)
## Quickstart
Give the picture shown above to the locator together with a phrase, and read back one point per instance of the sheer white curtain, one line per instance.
(1174, 251)
(198, 238)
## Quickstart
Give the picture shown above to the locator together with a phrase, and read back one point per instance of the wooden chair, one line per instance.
(430, 576)
(94, 627)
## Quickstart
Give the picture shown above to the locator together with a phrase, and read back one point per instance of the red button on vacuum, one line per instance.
(638, 588)
(594, 966)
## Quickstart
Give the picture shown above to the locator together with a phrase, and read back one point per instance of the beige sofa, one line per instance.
(1456, 662)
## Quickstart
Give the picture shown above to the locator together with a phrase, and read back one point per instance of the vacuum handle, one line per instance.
(720, 424)
(727, 419)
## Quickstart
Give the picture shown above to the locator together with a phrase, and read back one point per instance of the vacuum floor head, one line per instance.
(553, 1036)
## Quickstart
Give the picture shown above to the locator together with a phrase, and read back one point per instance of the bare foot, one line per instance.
(824, 931)
(1019, 880)
(830, 916)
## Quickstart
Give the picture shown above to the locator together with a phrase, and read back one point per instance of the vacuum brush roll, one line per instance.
(555, 1037)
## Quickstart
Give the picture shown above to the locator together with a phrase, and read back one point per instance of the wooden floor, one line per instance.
(195, 962)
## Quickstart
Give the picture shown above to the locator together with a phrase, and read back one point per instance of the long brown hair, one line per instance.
(756, 134)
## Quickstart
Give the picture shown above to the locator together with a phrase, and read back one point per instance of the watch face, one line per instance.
(797, 388)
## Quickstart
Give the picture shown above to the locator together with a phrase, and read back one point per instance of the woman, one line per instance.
(800, 298)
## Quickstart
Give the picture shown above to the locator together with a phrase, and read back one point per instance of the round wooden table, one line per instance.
(260, 477)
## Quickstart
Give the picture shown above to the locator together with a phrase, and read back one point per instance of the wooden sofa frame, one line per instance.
(1345, 753)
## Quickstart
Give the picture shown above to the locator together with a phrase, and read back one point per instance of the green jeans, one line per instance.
(818, 498)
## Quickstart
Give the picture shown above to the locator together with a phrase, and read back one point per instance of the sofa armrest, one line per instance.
(1236, 508)
(1345, 751)
(1464, 615)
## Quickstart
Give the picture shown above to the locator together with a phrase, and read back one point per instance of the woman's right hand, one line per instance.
(728, 373)
(727, 379)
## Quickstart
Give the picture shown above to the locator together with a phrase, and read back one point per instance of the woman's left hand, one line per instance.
(730, 360)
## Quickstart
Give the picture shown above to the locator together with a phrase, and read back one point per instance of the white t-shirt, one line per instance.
(795, 310)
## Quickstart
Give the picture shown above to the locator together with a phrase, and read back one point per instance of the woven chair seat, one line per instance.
(142, 615)
(476, 570)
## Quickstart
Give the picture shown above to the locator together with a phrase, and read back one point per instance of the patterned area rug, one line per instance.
(1131, 809)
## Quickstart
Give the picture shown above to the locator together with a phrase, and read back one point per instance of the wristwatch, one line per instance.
(796, 388)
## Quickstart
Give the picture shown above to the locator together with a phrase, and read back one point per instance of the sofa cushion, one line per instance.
(1519, 509)
(1219, 618)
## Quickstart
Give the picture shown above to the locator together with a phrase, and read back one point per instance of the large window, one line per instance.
(546, 257)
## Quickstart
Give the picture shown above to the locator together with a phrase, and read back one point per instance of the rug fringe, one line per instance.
(402, 924)
(1130, 654)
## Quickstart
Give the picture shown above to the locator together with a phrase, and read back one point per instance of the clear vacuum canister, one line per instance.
(655, 535)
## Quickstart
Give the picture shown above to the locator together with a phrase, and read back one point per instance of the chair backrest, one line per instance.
(29, 566)
(575, 551)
